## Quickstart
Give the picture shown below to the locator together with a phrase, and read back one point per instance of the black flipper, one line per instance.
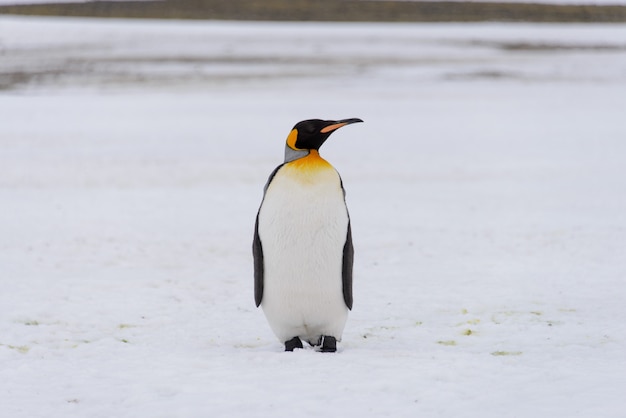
(257, 252)
(257, 249)
(348, 260)
(346, 272)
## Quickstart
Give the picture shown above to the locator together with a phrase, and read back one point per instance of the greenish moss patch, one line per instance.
(506, 353)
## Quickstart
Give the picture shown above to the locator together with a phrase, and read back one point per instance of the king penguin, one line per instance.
(302, 243)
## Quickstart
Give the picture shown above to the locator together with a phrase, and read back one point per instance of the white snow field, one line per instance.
(487, 191)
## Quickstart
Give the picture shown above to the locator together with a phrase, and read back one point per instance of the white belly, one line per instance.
(303, 224)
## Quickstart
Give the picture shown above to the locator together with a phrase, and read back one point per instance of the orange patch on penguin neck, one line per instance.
(313, 160)
(309, 167)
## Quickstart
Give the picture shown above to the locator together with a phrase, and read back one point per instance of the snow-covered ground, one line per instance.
(487, 194)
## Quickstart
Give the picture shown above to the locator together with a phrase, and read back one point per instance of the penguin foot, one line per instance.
(329, 344)
(293, 343)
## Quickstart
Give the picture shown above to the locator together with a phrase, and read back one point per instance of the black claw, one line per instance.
(293, 344)
(329, 344)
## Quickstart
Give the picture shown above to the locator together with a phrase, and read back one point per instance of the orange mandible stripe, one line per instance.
(332, 127)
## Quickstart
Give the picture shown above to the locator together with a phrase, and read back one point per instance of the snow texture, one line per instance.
(486, 190)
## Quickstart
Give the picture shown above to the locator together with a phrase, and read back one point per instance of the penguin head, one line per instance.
(310, 135)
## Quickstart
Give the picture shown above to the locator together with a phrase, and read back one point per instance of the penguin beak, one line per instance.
(336, 124)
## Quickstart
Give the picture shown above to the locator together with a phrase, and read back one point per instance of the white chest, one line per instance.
(303, 218)
(303, 224)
